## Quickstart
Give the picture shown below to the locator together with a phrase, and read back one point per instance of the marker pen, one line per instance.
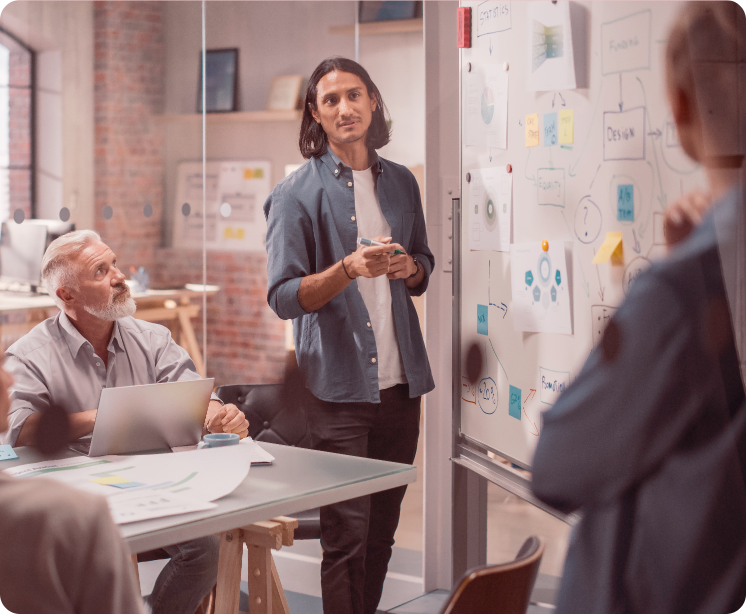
(372, 243)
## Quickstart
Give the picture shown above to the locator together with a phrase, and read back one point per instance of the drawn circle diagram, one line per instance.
(588, 220)
(633, 270)
(488, 105)
(545, 269)
(489, 213)
(487, 395)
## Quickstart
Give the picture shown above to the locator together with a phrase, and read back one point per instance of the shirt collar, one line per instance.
(336, 166)
(75, 340)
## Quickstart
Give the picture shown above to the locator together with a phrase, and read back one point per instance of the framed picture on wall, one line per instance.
(221, 94)
(388, 10)
(284, 93)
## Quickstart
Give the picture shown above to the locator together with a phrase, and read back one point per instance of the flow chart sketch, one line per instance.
(550, 59)
(235, 192)
(487, 108)
(491, 192)
(541, 295)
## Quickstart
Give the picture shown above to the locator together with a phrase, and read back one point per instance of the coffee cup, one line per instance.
(217, 440)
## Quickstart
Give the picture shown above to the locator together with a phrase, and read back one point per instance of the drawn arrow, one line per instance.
(601, 289)
(530, 396)
(594, 177)
(655, 134)
(621, 102)
(553, 97)
(636, 246)
(490, 45)
(662, 199)
(562, 99)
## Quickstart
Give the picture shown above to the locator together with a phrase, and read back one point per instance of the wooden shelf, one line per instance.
(381, 27)
(228, 118)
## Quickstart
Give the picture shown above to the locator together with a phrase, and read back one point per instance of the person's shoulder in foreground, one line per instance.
(62, 553)
(625, 445)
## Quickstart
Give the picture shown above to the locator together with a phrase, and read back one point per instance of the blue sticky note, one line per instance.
(514, 409)
(625, 203)
(482, 319)
(551, 133)
(6, 453)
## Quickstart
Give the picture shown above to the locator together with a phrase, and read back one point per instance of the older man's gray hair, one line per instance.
(57, 271)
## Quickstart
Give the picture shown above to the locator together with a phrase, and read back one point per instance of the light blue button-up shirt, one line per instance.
(311, 225)
(55, 365)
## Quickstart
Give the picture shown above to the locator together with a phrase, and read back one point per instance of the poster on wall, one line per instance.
(235, 193)
(549, 47)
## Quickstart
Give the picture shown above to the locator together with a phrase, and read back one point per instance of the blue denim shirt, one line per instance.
(311, 226)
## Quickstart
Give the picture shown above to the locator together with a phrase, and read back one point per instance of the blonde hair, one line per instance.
(701, 59)
(57, 270)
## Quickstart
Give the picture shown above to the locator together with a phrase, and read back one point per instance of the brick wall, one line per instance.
(245, 339)
(128, 93)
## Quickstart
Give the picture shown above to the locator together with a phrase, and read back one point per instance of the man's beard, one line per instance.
(120, 306)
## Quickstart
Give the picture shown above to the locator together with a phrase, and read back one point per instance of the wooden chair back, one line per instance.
(499, 589)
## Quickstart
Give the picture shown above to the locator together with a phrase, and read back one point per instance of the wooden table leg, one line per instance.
(229, 572)
(260, 579)
(279, 602)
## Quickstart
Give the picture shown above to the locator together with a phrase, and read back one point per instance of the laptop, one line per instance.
(149, 418)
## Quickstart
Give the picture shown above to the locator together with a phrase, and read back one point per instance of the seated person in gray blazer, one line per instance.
(648, 442)
(62, 554)
(94, 342)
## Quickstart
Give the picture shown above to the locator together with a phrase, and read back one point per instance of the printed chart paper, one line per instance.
(487, 107)
(491, 204)
(235, 193)
(550, 62)
(151, 485)
(541, 293)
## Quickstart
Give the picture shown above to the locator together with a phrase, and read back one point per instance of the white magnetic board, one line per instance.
(623, 166)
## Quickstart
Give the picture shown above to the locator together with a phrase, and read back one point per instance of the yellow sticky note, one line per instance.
(565, 127)
(248, 173)
(112, 479)
(610, 250)
(532, 130)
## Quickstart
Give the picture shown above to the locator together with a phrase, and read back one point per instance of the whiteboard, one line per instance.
(623, 135)
(236, 191)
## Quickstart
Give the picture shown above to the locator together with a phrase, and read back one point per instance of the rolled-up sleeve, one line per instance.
(419, 244)
(290, 248)
(29, 395)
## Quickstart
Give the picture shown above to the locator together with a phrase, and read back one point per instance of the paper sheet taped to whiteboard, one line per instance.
(490, 205)
(540, 287)
(487, 107)
(550, 59)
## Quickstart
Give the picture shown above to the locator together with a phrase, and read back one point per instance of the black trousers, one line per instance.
(357, 535)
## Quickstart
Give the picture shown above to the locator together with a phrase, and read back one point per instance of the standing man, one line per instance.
(357, 337)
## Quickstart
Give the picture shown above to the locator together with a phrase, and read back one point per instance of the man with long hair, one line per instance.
(357, 337)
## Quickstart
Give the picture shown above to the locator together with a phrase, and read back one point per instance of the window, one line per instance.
(16, 127)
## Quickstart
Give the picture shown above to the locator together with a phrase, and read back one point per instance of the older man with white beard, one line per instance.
(95, 343)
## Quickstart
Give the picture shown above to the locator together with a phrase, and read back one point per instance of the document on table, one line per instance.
(152, 485)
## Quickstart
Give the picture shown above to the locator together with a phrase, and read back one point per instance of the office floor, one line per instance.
(509, 521)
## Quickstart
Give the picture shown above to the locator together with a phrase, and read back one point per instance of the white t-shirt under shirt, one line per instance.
(376, 292)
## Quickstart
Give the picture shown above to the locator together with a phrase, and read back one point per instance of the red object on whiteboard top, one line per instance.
(464, 27)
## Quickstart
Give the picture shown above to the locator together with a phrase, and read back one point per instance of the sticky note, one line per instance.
(532, 130)
(514, 408)
(625, 208)
(111, 479)
(611, 249)
(127, 484)
(565, 127)
(482, 319)
(6, 453)
(550, 129)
